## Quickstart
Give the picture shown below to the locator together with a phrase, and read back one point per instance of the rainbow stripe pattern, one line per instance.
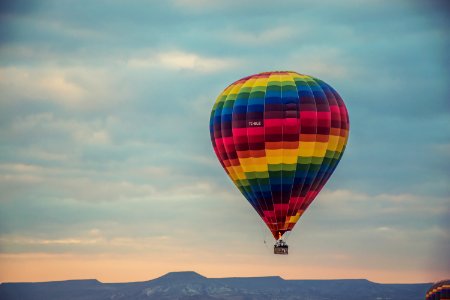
(439, 291)
(279, 136)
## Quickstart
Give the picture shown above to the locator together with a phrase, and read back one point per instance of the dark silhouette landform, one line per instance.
(191, 285)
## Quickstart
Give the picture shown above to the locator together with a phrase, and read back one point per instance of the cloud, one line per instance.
(71, 87)
(65, 182)
(51, 85)
(79, 132)
(393, 211)
(33, 241)
(326, 63)
(179, 60)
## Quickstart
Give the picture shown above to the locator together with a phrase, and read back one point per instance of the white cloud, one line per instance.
(323, 62)
(383, 229)
(86, 132)
(348, 196)
(35, 152)
(87, 239)
(350, 202)
(59, 86)
(34, 241)
(180, 60)
(72, 87)
(38, 84)
(97, 186)
(93, 137)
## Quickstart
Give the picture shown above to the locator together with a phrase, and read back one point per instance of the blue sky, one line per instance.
(105, 155)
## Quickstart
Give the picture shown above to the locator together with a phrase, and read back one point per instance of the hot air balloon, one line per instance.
(439, 291)
(279, 136)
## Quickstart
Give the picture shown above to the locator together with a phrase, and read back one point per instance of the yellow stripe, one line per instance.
(316, 149)
(320, 149)
(261, 167)
(249, 83)
(251, 162)
(231, 173)
(227, 90)
(341, 143)
(299, 76)
(274, 156)
(287, 78)
(333, 142)
(290, 156)
(261, 82)
(306, 148)
(294, 219)
(239, 173)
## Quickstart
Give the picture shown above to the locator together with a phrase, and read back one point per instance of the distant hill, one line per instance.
(190, 285)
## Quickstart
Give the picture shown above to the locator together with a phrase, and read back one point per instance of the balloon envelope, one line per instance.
(279, 136)
(439, 291)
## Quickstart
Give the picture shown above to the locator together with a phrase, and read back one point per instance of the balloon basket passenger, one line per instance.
(280, 247)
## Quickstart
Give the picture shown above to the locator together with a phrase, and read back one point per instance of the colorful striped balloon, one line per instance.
(279, 136)
(439, 291)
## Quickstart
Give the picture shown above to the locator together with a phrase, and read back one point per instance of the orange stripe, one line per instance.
(274, 145)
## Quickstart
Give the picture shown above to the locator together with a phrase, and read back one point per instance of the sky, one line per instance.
(106, 165)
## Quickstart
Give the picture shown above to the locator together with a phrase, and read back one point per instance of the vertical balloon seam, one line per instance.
(273, 216)
(265, 151)
(283, 151)
(252, 160)
(317, 177)
(336, 152)
(342, 140)
(254, 195)
(312, 171)
(328, 161)
(346, 122)
(343, 107)
(238, 168)
(289, 78)
(301, 199)
(214, 124)
(222, 154)
(346, 131)
(297, 77)
(233, 168)
(211, 131)
(322, 179)
(279, 224)
(282, 148)
(292, 210)
(234, 136)
(287, 173)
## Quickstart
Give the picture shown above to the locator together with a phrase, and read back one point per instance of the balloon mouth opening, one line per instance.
(279, 234)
